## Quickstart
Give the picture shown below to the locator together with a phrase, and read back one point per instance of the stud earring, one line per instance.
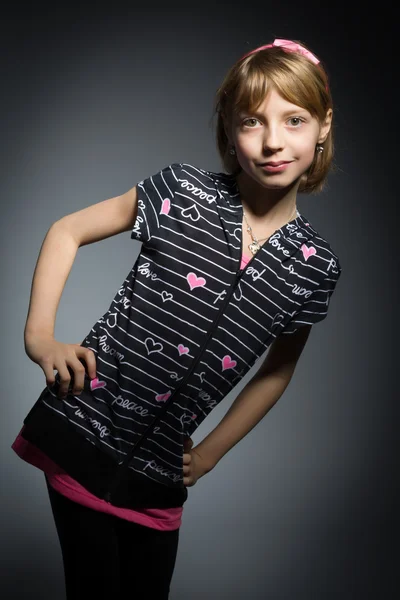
(232, 151)
(320, 148)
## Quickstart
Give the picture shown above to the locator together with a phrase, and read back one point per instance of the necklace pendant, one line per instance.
(254, 247)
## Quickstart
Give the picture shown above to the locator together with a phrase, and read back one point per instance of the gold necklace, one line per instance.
(255, 246)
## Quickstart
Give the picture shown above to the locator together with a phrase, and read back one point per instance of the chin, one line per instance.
(275, 182)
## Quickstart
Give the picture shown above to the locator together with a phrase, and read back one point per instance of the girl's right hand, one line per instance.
(51, 355)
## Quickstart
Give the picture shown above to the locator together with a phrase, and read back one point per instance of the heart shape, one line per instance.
(152, 346)
(307, 252)
(238, 233)
(182, 349)
(166, 296)
(96, 384)
(191, 212)
(163, 397)
(166, 206)
(195, 281)
(228, 363)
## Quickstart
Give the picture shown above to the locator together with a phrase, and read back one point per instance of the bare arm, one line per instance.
(59, 248)
(256, 398)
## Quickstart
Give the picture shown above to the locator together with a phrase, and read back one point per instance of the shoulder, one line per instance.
(195, 173)
(319, 252)
(200, 183)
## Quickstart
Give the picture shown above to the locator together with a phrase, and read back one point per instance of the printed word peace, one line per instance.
(144, 270)
(197, 191)
(130, 405)
(104, 431)
(332, 265)
(108, 350)
(254, 273)
(151, 464)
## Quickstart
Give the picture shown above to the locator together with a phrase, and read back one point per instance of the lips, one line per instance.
(276, 164)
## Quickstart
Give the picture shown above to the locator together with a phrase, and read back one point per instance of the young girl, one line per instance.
(228, 268)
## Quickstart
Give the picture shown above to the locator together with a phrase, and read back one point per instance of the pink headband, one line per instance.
(290, 47)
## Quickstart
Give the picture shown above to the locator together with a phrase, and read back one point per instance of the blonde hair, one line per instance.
(298, 80)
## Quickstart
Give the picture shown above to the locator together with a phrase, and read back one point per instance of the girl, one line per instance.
(228, 268)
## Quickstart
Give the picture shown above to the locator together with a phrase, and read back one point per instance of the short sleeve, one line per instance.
(155, 195)
(315, 308)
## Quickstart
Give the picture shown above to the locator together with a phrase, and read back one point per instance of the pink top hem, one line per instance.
(157, 518)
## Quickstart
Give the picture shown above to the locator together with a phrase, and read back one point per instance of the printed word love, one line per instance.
(123, 300)
(274, 241)
(139, 220)
(144, 270)
(209, 402)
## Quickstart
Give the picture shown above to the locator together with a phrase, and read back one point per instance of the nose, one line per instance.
(273, 138)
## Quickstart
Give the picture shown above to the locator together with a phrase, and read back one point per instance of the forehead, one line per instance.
(273, 101)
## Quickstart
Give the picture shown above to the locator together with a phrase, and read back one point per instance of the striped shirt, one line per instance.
(181, 332)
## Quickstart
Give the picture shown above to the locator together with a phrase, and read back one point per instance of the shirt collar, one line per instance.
(294, 233)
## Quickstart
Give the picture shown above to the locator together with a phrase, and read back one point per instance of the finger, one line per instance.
(77, 371)
(48, 371)
(89, 357)
(65, 379)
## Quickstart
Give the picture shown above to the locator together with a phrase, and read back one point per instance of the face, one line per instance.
(277, 131)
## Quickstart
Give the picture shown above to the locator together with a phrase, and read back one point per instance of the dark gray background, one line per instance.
(93, 102)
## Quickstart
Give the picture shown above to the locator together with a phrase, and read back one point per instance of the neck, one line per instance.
(267, 204)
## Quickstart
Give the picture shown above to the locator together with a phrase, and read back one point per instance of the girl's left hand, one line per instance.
(194, 465)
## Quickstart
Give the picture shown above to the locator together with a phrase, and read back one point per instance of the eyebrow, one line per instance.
(285, 114)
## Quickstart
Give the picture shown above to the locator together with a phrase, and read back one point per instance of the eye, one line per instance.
(298, 119)
(249, 119)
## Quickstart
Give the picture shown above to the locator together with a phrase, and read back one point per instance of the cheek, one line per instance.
(245, 146)
(306, 151)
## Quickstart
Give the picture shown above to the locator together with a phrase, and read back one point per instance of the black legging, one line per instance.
(111, 558)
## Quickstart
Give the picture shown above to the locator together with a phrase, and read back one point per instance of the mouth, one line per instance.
(275, 164)
(275, 167)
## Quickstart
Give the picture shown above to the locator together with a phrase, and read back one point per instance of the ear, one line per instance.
(325, 126)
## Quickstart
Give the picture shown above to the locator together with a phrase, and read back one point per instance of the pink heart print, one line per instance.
(163, 397)
(165, 207)
(182, 349)
(195, 281)
(95, 384)
(307, 252)
(228, 363)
